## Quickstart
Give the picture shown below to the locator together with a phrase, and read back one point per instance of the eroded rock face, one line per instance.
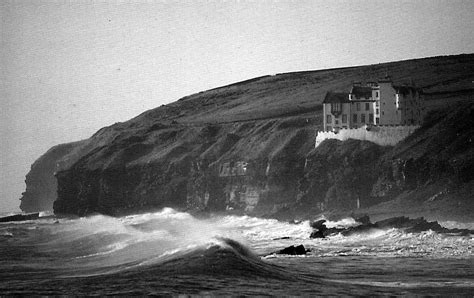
(340, 175)
(437, 161)
(249, 148)
(41, 184)
(197, 168)
(258, 168)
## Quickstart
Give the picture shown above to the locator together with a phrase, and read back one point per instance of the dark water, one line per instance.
(173, 253)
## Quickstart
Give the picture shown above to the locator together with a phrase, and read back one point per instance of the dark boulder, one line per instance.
(410, 225)
(318, 224)
(318, 234)
(293, 250)
(319, 229)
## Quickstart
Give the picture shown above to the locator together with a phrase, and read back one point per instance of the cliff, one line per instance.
(430, 173)
(41, 184)
(246, 147)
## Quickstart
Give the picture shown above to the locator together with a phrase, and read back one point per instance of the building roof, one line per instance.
(336, 97)
(362, 91)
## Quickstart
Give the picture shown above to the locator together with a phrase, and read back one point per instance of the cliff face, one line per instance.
(340, 175)
(431, 173)
(202, 167)
(441, 150)
(246, 147)
(41, 185)
(433, 168)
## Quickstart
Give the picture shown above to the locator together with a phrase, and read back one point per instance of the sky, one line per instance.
(69, 68)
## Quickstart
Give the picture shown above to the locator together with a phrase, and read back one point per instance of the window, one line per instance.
(344, 118)
(354, 118)
(367, 106)
(376, 94)
(377, 111)
(358, 106)
(336, 121)
(382, 112)
(377, 120)
(328, 119)
(371, 118)
(362, 118)
(336, 107)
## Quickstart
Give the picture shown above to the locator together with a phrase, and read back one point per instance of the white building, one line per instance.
(380, 103)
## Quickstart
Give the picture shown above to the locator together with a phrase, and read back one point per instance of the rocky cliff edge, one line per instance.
(249, 148)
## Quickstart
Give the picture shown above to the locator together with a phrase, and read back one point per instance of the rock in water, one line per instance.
(319, 229)
(317, 234)
(318, 224)
(411, 225)
(293, 250)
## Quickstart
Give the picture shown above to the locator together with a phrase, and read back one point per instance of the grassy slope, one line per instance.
(300, 92)
(287, 96)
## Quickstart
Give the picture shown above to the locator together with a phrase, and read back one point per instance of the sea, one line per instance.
(174, 253)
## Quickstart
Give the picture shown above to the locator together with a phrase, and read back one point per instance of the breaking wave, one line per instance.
(171, 243)
(101, 244)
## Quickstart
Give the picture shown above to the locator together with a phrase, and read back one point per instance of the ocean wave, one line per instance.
(98, 244)
(101, 245)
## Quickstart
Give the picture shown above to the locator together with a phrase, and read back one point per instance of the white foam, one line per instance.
(342, 223)
(457, 225)
(99, 242)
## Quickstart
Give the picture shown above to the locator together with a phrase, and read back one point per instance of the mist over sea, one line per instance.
(171, 252)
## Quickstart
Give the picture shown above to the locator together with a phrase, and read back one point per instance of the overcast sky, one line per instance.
(69, 68)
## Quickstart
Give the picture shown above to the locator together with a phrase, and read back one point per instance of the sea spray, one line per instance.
(171, 252)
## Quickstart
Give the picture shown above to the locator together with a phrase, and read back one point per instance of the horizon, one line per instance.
(69, 69)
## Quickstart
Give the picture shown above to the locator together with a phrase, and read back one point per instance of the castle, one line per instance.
(380, 112)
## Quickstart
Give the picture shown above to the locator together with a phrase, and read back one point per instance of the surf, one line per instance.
(175, 250)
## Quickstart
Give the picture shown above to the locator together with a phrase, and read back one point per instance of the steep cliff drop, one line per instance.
(41, 184)
(431, 173)
(244, 167)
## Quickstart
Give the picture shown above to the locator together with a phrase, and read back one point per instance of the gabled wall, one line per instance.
(336, 122)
